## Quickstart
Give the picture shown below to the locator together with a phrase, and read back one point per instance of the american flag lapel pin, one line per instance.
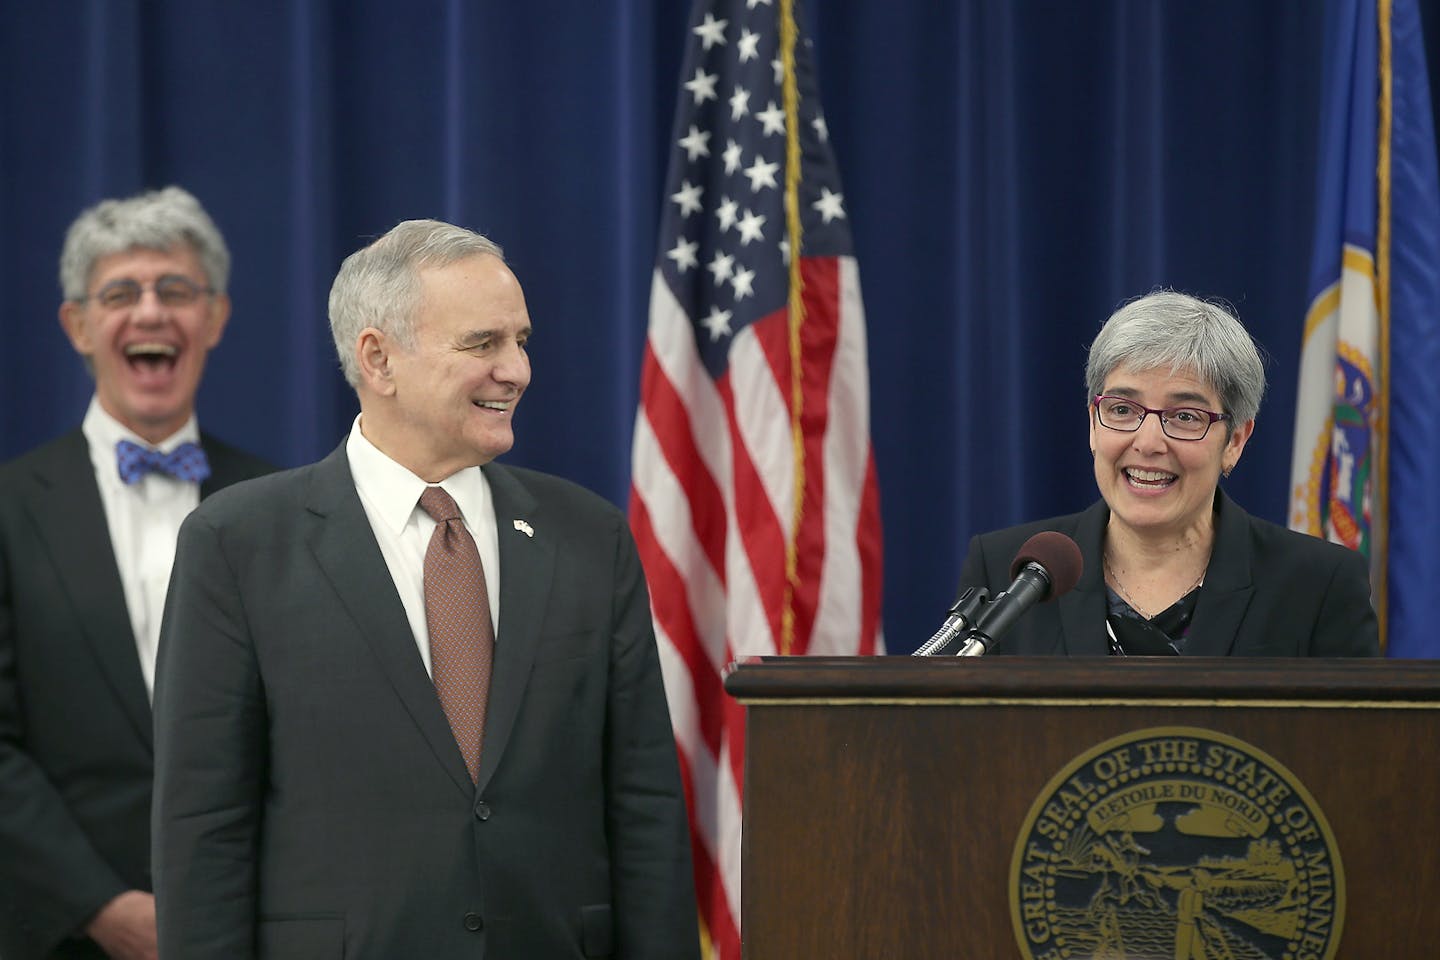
(525, 528)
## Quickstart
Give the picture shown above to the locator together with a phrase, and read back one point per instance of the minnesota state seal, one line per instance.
(1176, 843)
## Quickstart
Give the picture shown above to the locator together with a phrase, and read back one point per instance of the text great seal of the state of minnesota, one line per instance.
(1176, 842)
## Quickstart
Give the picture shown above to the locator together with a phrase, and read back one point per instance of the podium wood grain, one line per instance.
(884, 796)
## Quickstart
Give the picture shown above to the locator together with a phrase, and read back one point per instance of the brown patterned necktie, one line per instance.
(457, 613)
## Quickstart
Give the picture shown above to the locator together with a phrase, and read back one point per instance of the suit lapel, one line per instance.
(344, 546)
(1228, 587)
(65, 505)
(527, 566)
(221, 472)
(1083, 609)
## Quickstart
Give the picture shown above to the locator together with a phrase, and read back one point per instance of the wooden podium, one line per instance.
(884, 798)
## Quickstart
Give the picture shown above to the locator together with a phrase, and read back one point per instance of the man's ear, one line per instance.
(373, 355)
(219, 316)
(72, 321)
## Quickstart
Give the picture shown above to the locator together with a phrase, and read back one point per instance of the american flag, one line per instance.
(753, 496)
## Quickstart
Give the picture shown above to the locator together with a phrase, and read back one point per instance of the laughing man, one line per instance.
(87, 537)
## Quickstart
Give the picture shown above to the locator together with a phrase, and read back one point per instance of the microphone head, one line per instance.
(1057, 554)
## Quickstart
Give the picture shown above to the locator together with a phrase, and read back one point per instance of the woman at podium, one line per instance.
(1172, 565)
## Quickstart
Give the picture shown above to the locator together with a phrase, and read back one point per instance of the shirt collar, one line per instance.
(395, 492)
(102, 433)
(106, 431)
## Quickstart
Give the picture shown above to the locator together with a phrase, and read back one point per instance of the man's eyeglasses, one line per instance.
(1179, 423)
(172, 290)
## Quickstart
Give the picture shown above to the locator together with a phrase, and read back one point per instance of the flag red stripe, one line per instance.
(759, 528)
(668, 605)
(671, 425)
(670, 422)
(868, 542)
(818, 343)
(709, 889)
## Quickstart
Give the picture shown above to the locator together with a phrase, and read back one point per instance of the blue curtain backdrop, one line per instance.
(1013, 171)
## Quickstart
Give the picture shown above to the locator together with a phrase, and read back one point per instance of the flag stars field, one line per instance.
(749, 45)
(750, 227)
(739, 106)
(712, 31)
(829, 205)
(761, 174)
(683, 253)
(717, 322)
(773, 119)
(720, 267)
(732, 156)
(688, 197)
(696, 143)
(743, 284)
(727, 213)
(702, 86)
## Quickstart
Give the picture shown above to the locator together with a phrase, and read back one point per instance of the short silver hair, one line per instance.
(157, 220)
(1172, 331)
(379, 285)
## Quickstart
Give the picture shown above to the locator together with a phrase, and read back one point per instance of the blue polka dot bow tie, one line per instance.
(185, 462)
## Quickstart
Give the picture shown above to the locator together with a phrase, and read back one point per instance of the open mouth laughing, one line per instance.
(1149, 479)
(148, 357)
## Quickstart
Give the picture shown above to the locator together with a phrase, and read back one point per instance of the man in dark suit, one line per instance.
(87, 535)
(409, 701)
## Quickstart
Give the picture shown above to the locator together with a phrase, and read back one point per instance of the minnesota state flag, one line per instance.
(1365, 470)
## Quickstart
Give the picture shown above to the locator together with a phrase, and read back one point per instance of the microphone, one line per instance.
(1047, 566)
(960, 622)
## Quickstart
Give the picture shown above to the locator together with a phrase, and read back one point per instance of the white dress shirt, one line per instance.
(144, 520)
(391, 496)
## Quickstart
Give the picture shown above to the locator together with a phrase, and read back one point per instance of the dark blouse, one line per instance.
(1131, 635)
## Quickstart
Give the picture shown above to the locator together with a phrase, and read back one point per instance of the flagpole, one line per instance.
(1380, 544)
(791, 94)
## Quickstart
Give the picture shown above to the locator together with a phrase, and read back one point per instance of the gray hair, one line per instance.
(1171, 331)
(157, 220)
(379, 285)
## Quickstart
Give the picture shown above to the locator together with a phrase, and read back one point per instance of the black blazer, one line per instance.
(310, 801)
(1268, 592)
(75, 740)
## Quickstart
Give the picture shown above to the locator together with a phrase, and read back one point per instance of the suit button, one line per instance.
(482, 811)
(473, 922)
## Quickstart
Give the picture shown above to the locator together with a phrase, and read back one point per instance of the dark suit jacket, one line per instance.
(310, 799)
(75, 742)
(1268, 592)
